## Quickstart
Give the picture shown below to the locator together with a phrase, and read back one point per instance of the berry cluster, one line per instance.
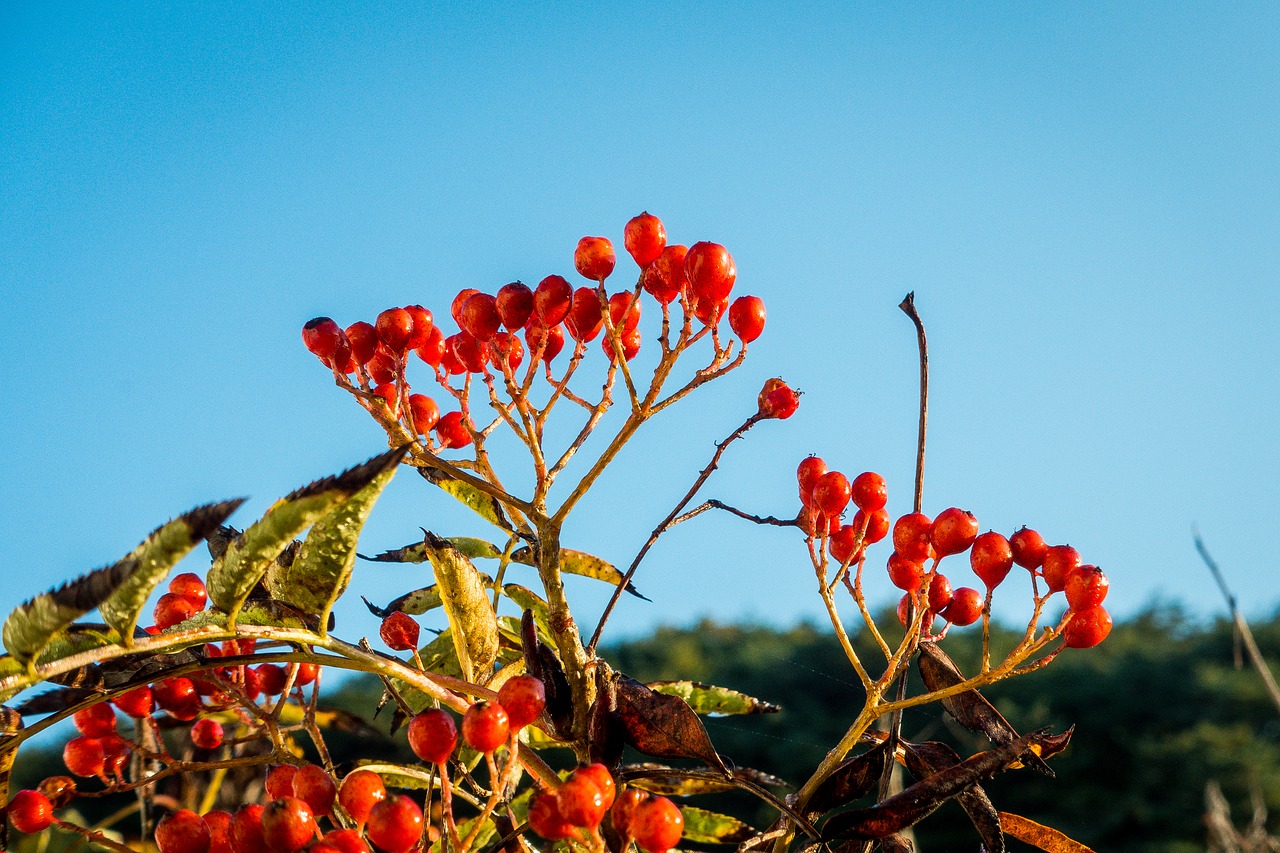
(588, 795)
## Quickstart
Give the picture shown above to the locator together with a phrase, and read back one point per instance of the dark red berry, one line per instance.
(545, 818)
(939, 593)
(280, 781)
(1059, 562)
(746, 317)
(361, 790)
(115, 754)
(84, 757)
(1028, 548)
(657, 825)
(485, 726)
(207, 734)
(246, 830)
(451, 431)
(644, 238)
(399, 631)
(594, 258)
(582, 802)
(172, 609)
(843, 543)
(1086, 587)
(552, 300)
(710, 270)
(906, 575)
(30, 812)
(965, 607)
(382, 368)
(831, 493)
(219, 824)
(343, 841)
(991, 558)
(471, 353)
(135, 703)
(423, 323)
(709, 311)
(953, 531)
(95, 721)
(585, 319)
(624, 310)
(273, 678)
(433, 735)
(455, 307)
(287, 825)
(321, 337)
(395, 824)
(184, 831)
(550, 339)
(628, 340)
(515, 305)
(395, 328)
(523, 698)
(432, 351)
(190, 585)
(1087, 627)
(506, 349)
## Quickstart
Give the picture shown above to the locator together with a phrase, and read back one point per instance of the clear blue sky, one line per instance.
(1084, 197)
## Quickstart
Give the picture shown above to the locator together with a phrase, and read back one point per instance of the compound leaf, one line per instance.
(709, 699)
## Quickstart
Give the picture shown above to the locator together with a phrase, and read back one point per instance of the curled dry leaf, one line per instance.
(541, 662)
(663, 726)
(852, 779)
(925, 759)
(1038, 835)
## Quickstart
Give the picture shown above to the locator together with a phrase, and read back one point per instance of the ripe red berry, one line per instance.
(485, 726)
(455, 307)
(471, 353)
(657, 825)
(1059, 562)
(321, 337)
(172, 609)
(423, 323)
(95, 721)
(30, 812)
(906, 575)
(115, 753)
(965, 607)
(550, 339)
(287, 825)
(395, 824)
(433, 349)
(246, 830)
(809, 471)
(710, 270)
(953, 531)
(624, 310)
(628, 340)
(184, 831)
(552, 300)
(219, 824)
(363, 338)
(869, 491)
(207, 734)
(644, 238)
(1087, 627)
(664, 279)
(280, 781)
(843, 542)
(545, 818)
(433, 735)
(505, 348)
(582, 802)
(877, 525)
(190, 585)
(399, 631)
(600, 774)
(424, 411)
(315, 787)
(382, 368)
(594, 258)
(343, 841)
(585, 319)
(831, 493)
(904, 605)
(135, 703)
(395, 328)
(777, 400)
(480, 317)
(911, 536)
(746, 317)
(1028, 548)
(361, 790)
(624, 807)
(391, 396)
(515, 305)
(1086, 587)
(991, 558)
(940, 594)
(307, 673)
(523, 698)
(273, 678)
(451, 431)
(709, 311)
(84, 756)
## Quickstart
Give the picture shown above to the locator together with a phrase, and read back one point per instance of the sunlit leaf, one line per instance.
(663, 726)
(1037, 835)
(704, 827)
(417, 551)
(579, 563)
(675, 782)
(35, 623)
(465, 601)
(482, 504)
(709, 699)
(414, 603)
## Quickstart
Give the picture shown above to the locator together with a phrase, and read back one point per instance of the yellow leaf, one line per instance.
(1038, 835)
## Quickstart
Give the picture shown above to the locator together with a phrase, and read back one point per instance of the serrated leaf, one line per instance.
(414, 603)
(483, 505)
(1037, 835)
(472, 620)
(704, 827)
(35, 623)
(579, 563)
(233, 577)
(663, 726)
(709, 699)
(320, 572)
(156, 556)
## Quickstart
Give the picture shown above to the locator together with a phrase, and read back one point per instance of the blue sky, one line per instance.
(1084, 197)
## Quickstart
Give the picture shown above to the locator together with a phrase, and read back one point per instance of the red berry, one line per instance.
(710, 270)
(1086, 587)
(455, 308)
(746, 317)
(307, 673)
(991, 558)
(600, 774)
(115, 753)
(808, 473)
(189, 584)
(550, 339)
(425, 413)
(471, 354)
(451, 431)
(395, 824)
(363, 338)
(399, 631)
(343, 841)
(135, 703)
(30, 812)
(184, 831)
(906, 575)
(843, 542)
(506, 348)
(433, 735)
(582, 802)
(515, 304)
(1028, 548)
(911, 536)
(777, 400)
(485, 726)
(657, 825)
(321, 337)
(644, 237)
(287, 825)
(382, 368)
(391, 396)
(246, 830)
(585, 319)
(95, 721)
(313, 786)
(84, 756)
(432, 350)
(594, 258)
(360, 792)
(940, 594)
(709, 311)
(624, 310)
(628, 340)
(280, 781)
(395, 328)
(545, 818)
(965, 607)
(552, 300)
(273, 678)
(207, 734)
(624, 807)
(877, 524)
(664, 279)
(480, 317)
(219, 824)
(1059, 562)
(423, 323)
(953, 531)
(523, 698)
(172, 609)
(869, 491)
(831, 493)
(1087, 627)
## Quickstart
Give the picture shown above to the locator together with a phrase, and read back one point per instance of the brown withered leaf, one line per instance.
(604, 731)
(663, 726)
(970, 708)
(919, 800)
(676, 782)
(1045, 837)
(894, 844)
(53, 701)
(853, 778)
(541, 662)
(925, 759)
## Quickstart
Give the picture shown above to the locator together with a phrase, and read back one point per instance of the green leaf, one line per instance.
(233, 577)
(35, 623)
(471, 617)
(157, 554)
(413, 603)
(704, 827)
(484, 505)
(319, 574)
(708, 699)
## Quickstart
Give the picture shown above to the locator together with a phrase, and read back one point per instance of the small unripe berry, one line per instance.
(965, 607)
(594, 258)
(953, 531)
(30, 812)
(991, 558)
(485, 726)
(61, 791)
(207, 734)
(746, 317)
(433, 735)
(644, 238)
(523, 698)
(395, 824)
(273, 678)
(399, 631)
(1087, 627)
